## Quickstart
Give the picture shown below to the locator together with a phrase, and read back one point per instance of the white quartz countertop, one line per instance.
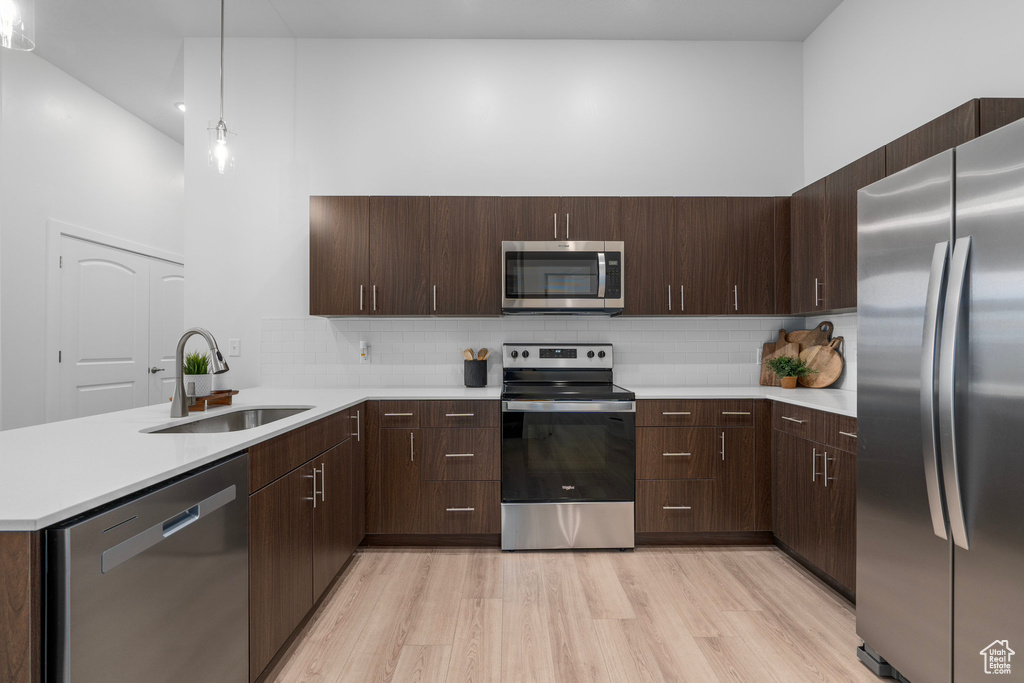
(830, 400)
(52, 472)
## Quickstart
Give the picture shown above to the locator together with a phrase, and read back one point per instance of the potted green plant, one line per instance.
(788, 369)
(196, 371)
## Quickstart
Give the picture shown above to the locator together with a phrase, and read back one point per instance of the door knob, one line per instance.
(153, 370)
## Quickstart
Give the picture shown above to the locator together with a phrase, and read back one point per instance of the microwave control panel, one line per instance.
(613, 281)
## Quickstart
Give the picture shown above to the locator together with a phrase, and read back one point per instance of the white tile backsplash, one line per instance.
(708, 351)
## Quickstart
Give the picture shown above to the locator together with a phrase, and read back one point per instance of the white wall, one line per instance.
(876, 69)
(71, 155)
(458, 117)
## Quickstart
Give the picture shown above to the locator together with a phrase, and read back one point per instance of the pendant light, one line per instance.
(222, 141)
(18, 24)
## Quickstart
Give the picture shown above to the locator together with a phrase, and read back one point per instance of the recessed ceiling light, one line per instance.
(180, 106)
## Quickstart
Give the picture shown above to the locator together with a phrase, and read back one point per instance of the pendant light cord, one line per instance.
(222, 60)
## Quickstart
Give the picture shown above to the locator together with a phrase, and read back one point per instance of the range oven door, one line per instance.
(561, 277)
(568, 451)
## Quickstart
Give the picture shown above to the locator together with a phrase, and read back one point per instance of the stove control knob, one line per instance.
(590, 354)
(600, 354)
(514, 354)
(526, 354)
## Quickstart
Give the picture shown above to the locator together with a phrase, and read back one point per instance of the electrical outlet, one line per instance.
(234, 348)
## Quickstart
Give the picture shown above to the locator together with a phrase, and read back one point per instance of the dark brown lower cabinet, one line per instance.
(331, 515)
(681, 505)
(460, 454)
(400, 459)
(280, 563)
(675, 452)
(735, 496)
(815, 507)
(461, 507)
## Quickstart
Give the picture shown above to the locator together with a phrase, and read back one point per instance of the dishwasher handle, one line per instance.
(144, 540)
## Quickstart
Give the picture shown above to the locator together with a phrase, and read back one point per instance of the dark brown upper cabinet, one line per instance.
(465, 258)
(339, 255)
(840, 289)
(725, 255)
(996, 112)
(807, 247)
(531, 219)
(648, 225)
(591, 218)
(783, 271)
(399, 262)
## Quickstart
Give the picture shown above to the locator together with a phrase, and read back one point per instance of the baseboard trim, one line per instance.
(435, 540)
(704, 538)
(817, 572)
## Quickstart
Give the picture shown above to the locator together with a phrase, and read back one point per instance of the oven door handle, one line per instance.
(568, 406)
(602, 275)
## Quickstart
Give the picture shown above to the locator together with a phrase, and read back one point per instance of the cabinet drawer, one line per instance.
(674, 505)
(400, 414)
(329, 432)
(675, 452)
(277, 457)
(462, 413)
(461, 507)
(806, 423)
(460, 455)
(841, 432)
(673, 413)
(732, 413)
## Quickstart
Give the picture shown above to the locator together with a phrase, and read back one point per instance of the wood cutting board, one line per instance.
(808, 338)
(826, 359)
(781, 347)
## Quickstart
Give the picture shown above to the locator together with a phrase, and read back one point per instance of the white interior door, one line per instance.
(104, 329)
(166, 323)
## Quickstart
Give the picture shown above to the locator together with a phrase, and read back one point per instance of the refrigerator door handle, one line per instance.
(947, 387)
(929, 346)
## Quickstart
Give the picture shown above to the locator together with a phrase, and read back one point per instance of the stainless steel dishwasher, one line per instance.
(155, 588)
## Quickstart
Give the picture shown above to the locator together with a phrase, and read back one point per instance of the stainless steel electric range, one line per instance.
(568, 449)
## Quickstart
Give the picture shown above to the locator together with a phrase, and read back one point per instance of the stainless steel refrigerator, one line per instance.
(940, 471)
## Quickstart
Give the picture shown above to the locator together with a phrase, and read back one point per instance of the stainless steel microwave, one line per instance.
(562, 277)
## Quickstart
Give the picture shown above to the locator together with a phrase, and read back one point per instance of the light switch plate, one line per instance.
(234, 348)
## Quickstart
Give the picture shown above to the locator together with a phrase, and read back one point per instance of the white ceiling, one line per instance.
(131, 51)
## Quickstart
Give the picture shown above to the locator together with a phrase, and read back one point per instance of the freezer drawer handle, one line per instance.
(793, 419)
(676, 507)
(948, 353)
(144, 540)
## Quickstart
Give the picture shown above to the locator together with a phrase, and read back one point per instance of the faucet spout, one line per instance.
(180, 404)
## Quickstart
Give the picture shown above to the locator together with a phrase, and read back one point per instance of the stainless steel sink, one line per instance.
(234, 421)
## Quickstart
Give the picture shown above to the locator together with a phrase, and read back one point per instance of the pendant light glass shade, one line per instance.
(18, 24)
(222, 141)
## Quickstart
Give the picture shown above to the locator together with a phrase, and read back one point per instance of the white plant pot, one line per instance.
(202, 385)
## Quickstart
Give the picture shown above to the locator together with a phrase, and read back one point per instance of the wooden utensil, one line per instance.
(826, 359)
(484, 353)
(774, 349)
(467, 354)
(808, 338)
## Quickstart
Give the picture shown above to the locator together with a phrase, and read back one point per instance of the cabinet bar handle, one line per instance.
(556, 227)
(667, 413)
(852, 436)
(459, 414)
(793, 419)
(814, 464)
(360, 297)
(676, 507)
(412, 450)
(566, 226)
(735, 412)
(676, 455)
(682, 299)
(723, 446)
(397, 414)
(817, 297)
(827, 478)
(459, 509)
(356, 418)
(323, 481)
(735, 297)
(375, 297)
(435, 298)
(670, 297)
(458, 455)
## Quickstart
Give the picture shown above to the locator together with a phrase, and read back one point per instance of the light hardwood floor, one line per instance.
(665, 614)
